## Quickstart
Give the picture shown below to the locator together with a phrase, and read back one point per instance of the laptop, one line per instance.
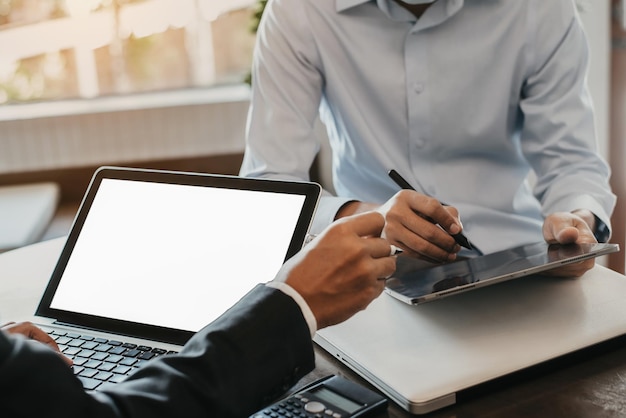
(154, 256)
(429, 356)
(416, 281)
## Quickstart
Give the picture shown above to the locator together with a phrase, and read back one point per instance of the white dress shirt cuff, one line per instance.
(304, 307)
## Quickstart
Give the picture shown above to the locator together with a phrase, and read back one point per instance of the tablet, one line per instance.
(416, 281)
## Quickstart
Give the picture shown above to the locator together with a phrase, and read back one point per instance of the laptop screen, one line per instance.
(164, 254)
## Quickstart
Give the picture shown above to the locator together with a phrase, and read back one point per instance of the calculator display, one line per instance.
(332, 398)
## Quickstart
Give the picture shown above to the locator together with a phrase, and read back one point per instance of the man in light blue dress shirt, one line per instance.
(464, 98)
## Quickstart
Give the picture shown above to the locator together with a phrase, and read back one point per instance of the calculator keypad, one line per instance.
(298, 407)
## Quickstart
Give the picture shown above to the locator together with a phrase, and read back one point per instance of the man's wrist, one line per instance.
(347, 209)
(353, 207)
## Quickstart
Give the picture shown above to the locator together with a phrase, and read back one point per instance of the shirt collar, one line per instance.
(342, 5)
(446, 8)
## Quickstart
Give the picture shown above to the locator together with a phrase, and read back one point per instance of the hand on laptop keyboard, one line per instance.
(30, 330)
(99, 362)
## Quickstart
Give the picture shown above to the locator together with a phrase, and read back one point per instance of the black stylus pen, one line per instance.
(459, 238)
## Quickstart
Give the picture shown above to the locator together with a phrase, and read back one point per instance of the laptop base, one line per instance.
(423, 356)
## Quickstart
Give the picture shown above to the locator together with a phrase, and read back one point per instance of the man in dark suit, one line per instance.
(242, 361)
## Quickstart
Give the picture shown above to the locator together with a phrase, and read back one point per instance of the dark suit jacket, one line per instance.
(234, 366)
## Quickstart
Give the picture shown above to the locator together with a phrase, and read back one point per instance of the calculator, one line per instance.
(329, 397)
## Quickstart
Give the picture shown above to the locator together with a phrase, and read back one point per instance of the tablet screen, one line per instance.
(417, 281)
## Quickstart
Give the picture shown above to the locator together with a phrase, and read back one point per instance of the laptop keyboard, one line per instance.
(99, 362)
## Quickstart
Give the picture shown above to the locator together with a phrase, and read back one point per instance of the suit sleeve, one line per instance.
(242, 361)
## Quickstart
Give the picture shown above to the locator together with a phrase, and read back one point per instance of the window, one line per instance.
(61, 49)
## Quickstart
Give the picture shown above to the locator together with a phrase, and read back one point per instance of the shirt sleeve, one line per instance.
(558, 132)
(281, 138)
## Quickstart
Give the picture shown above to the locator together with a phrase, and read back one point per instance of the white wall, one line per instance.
(116, 130)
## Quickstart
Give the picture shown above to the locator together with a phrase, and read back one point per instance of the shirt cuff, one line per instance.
(602, 232)
(304, 307)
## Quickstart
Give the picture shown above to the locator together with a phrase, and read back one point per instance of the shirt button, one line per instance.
(418, 88)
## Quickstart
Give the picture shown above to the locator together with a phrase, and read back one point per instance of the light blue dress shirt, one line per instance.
(464, 103)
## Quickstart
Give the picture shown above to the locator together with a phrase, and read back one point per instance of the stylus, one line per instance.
(395, 251)
(459, 238)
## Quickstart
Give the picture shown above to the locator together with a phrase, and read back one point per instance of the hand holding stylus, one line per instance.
(400, 181)
(434, 235)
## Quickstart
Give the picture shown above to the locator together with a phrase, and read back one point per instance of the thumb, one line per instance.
(561, 228)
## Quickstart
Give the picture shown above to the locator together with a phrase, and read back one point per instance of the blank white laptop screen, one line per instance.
(162, 254)
(175, 243)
